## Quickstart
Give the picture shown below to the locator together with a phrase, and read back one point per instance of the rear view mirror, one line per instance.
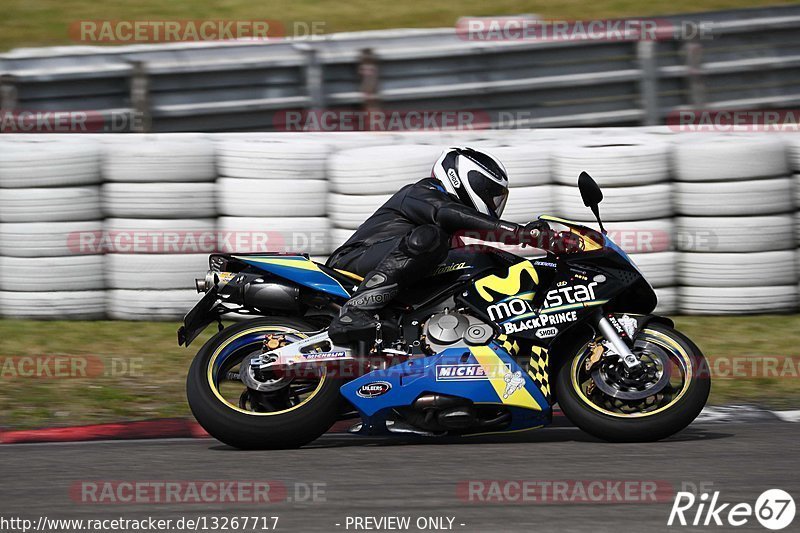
(591, 196)
(590, 190)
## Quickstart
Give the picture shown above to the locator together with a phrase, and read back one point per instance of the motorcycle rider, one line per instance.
(411, 233)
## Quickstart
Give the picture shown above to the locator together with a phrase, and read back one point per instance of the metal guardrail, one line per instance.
(222, 86)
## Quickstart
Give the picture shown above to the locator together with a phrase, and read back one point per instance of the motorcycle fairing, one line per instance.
(483, 374)
(299, 269)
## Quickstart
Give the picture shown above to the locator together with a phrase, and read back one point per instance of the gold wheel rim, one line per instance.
(227, 342)
(660, 339)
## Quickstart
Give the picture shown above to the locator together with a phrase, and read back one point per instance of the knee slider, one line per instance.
(426, 239)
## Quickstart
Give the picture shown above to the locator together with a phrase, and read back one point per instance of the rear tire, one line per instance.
(289, 428)
(639, 427)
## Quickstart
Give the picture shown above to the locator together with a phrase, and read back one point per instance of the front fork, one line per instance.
(622, 348)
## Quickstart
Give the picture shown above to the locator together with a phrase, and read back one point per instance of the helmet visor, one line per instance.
(493, 194)
(499, 203)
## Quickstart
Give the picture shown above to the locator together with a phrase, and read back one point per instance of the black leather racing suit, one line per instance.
(406, 238)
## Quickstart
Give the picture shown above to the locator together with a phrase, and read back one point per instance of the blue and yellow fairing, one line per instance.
(452, 372)
(299, 269)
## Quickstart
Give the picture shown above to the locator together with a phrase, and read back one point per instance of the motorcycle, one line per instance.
(487, 343)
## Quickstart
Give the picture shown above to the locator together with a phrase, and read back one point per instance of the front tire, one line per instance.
(248, 424)
(650, 419)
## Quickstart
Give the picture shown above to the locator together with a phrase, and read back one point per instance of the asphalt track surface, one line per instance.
(380, 477)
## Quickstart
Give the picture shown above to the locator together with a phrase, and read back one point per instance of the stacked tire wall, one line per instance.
(118, 226)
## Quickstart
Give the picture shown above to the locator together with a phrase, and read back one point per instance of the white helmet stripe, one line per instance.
(465, 166)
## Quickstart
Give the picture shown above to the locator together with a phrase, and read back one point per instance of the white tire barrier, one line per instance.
(728, 157)
(738, 269)
(527, 203)
(658, 268)
(150, 304)
(309, 235)
(339, 236)
(737, 300)
(72, 273)
(49, 239)
(526, 167)
(156, 159)
(272, 160)
(619, 203)
(381, 169)
(793, 146)
(154, 271)
(349, 211)
(49, 164)
(622, 162)
(61, 204)
(159, 236)
(158, 200)
(70, 305)
(735, 234)
(667, 301)
(733, 198)
(797, 227)
(271, 198)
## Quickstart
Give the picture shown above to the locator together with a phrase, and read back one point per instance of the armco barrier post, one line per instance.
(694, 73)
(368, 71)
(313, 76)
(648, 87)
(140, 97)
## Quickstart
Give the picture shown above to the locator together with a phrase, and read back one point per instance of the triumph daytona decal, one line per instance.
(470, 372)
(540, 321)
(444, 269)
(374, 389)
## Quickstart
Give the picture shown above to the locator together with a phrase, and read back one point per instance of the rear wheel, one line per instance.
(661, 398)
(294, 412)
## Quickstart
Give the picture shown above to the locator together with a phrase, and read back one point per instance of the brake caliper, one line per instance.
(273, 342)
(594, 358)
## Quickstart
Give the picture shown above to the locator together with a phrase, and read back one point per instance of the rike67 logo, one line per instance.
(774, 509)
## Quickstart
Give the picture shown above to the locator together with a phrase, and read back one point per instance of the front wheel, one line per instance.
(664, 396)
(296, 410)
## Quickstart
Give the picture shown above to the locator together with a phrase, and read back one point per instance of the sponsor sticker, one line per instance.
(540, 321)
(546, 333)
(470, 372)
(451, 173)
(324, 355)
(374, 389)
